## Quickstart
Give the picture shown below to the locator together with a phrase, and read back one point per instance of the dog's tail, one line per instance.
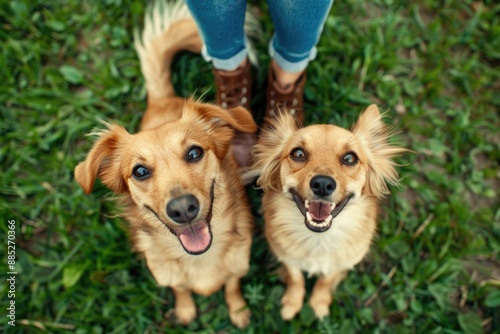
(168, 29)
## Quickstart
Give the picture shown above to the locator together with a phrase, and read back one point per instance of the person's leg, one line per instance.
(298, 26)
(220, 23)
(221, 26)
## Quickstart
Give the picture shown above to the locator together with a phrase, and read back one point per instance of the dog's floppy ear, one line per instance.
(221, 123)
(103, 161)
(374, 136)
(269, 149)
(241, 119)
(238, 118)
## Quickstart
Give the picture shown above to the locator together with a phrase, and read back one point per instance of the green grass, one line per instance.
(435, 265)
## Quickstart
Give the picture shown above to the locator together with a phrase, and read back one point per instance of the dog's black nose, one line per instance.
(183, 209)
(322, 185)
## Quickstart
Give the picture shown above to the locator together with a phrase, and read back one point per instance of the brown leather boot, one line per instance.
(289, 100)
(234, 89)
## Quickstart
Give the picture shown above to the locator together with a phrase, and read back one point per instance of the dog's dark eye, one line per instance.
(141, 173)
(350, 159)
(298, 154)
(194, 154)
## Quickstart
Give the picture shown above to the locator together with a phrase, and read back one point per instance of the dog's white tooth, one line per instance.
(329, 219)
(332, 206)
(306, 204)
(308, 216)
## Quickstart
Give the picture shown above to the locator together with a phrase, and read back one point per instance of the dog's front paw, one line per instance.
(288, 312)
(240, 318)
(185, 314)
(321, 310)
(320, 303)
(292, 303)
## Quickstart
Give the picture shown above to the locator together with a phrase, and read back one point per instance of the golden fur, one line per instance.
(291, 161)
(185, 147)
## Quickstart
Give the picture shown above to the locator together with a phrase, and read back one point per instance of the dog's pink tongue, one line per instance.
(319, 210)
(196, 237)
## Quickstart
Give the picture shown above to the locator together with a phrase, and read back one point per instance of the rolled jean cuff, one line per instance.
(292, 66)
(228, 64)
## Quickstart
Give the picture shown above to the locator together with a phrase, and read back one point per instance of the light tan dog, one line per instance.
(180, 186)
(321, 187)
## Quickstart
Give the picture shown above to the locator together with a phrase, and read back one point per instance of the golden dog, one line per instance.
(321, 186)
(180, 185)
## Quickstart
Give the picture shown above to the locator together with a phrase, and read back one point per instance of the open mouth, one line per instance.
(196, 236)
(319, 215)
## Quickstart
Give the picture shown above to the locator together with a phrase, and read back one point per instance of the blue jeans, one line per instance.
(298, 25)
